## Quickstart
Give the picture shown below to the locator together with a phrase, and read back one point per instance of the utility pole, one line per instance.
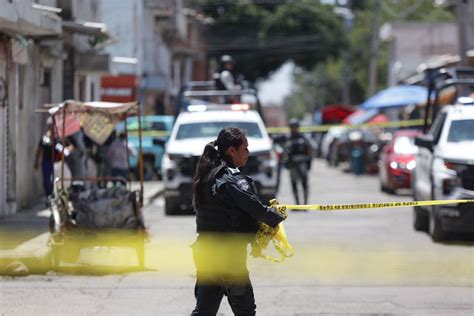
(348, 19)
(374, 48)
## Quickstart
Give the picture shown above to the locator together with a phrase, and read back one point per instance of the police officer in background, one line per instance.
(228, 211)
(297, 158)
(225, 78)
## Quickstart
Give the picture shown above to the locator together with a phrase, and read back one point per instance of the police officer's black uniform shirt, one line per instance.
(230, 204)
(297, 148)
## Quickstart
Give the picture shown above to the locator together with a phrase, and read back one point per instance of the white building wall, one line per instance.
(28, 129)
(3, 133)
(20, 125)
(414, 43)
(123, 20)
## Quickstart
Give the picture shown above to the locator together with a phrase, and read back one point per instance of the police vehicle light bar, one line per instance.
(218, 107)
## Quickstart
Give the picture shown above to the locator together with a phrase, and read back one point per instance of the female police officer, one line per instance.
(228, 212)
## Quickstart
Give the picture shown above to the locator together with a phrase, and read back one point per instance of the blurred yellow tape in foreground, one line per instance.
(360, 206)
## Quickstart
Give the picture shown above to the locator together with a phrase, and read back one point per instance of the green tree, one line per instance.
(359, 47)
(261, 36)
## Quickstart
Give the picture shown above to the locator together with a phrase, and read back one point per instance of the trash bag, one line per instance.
(105, 208)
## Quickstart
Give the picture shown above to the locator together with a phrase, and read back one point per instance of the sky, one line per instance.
(273, 90)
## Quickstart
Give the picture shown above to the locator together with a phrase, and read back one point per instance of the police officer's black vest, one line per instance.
(217, 213)
(297, 145)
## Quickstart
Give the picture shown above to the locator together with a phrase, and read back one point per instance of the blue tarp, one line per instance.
(396, 96)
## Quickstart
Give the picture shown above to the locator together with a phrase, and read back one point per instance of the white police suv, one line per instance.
(445, 171)
(197, 127)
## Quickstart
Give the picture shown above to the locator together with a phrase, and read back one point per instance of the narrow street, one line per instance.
(346, 262)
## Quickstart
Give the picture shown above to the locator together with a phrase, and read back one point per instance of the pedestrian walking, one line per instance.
(298, 158)
(46, 153)
(228, 211)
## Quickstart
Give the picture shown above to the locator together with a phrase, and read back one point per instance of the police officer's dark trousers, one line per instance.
(221, 267)
(299, 173)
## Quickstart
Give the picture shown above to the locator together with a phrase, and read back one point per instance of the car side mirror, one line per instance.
(425, 141)
(159, 142)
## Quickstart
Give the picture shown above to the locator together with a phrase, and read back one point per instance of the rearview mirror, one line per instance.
(425, 141)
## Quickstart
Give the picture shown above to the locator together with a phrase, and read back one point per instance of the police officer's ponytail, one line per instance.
(213, 158)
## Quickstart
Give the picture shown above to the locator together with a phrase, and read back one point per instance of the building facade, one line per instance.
(50, 50)
(160, 42)
(30, 75)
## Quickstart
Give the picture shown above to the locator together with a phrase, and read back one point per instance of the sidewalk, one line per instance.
(24, 236)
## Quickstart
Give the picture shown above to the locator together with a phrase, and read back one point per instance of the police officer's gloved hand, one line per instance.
(282, 210)
(278, 209)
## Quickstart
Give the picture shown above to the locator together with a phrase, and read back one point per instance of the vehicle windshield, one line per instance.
(405, 145)
(211, 129)
(460, 131)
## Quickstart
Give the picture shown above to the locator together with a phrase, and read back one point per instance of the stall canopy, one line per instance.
(97, 119)
(335, 113)
(397, 96)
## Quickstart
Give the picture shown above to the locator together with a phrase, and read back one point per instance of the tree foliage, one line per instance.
(327, 85)
(262, 35)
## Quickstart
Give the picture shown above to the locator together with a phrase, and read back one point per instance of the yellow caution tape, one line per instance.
(306, 129)
(360, 206)
(324, 128)
(276, 235)
(150, 133)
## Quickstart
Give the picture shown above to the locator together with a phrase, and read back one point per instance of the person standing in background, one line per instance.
(298, 157)
(118, 156)
(46, 153)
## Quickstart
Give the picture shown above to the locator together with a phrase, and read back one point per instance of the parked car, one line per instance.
(328, 140)
(445, 171)
(155, 133)
(201, 125)
(366, 140)
(397, 161)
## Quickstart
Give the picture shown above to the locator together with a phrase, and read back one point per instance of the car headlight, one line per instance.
(401, 165)
(170, 161)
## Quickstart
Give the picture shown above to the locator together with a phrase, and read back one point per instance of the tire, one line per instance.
(436, 231)
(170, 208)
(420, 219)
(386, 189)
(149, 172)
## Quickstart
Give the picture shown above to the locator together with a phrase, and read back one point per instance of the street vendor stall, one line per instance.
(86, 214)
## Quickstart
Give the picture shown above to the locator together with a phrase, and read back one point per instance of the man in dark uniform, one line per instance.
(224, 79)
(228, 211)
(298, 157)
